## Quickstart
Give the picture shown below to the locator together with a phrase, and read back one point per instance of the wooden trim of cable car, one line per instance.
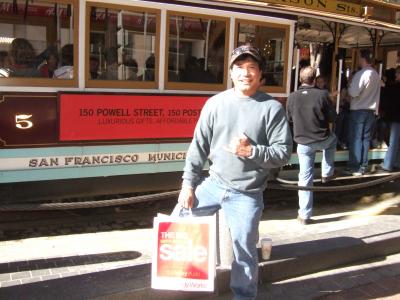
(124, 84)
(286, 27)
(170, 85)
(53, 82)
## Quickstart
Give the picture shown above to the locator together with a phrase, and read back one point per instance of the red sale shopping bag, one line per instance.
(184, 253)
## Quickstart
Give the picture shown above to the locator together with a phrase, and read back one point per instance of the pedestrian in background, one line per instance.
(244, 133)
(364, 90)
(311, 111)
(391, 114)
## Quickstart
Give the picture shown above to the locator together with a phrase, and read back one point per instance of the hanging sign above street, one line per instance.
(334, 6)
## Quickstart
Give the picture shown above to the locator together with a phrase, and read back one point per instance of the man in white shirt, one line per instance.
(364, 91)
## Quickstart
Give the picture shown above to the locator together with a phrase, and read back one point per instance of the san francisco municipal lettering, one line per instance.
(82, 160)
(104, 159)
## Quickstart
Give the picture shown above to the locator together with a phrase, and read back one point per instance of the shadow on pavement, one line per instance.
(60, 262)
(364, 283)
(85, 286)
(293, 250)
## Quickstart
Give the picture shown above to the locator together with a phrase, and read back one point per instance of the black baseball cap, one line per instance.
(246, 50)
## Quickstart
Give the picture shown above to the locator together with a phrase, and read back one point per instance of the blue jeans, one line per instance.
(392, 157)
(243, 213)
(306, 154)
(361, 127)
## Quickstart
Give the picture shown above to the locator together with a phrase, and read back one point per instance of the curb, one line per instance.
(355, 250)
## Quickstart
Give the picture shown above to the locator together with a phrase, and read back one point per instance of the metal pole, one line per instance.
(380, 70)
(206, 50)
(145, 30)
(335, 53)
(296, 77)
(144, 41)
(378, 101)
(58, 28)
(339, 86)
(177, 45)
(120, 42)
(71, 26)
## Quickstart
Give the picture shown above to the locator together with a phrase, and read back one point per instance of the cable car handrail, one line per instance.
(281, 185)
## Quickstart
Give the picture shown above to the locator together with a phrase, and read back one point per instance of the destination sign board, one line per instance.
(334, 6)
(110, 117)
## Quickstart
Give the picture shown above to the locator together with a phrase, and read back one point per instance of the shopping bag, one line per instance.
(183, 253)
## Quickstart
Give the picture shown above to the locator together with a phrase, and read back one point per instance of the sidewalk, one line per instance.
(116, 264)
(378, 278)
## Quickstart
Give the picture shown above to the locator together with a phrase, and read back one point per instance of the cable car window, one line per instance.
(123, 47)
(272, 40)
(37, 42)
(197, 51)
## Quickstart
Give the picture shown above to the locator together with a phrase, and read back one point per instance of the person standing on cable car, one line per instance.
(311, 111)
(243, 133)
(365, 92)
(391, 110)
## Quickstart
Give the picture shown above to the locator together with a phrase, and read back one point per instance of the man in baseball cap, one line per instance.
(244, 133)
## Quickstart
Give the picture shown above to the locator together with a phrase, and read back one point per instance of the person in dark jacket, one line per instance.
(311, 111)
(391, 109)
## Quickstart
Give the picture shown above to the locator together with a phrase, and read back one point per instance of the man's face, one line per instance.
(52, 62)
(246, 76)
(94, 65)
(362, 62)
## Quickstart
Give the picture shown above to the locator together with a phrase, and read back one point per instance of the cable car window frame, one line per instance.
(124, 84)
(172, 85)
(53, 82)
(270, 88)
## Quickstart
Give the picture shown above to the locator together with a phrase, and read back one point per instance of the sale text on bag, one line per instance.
(185, 256)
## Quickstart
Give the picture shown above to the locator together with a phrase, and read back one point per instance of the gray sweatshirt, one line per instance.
(225, 116)
(365, 89)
